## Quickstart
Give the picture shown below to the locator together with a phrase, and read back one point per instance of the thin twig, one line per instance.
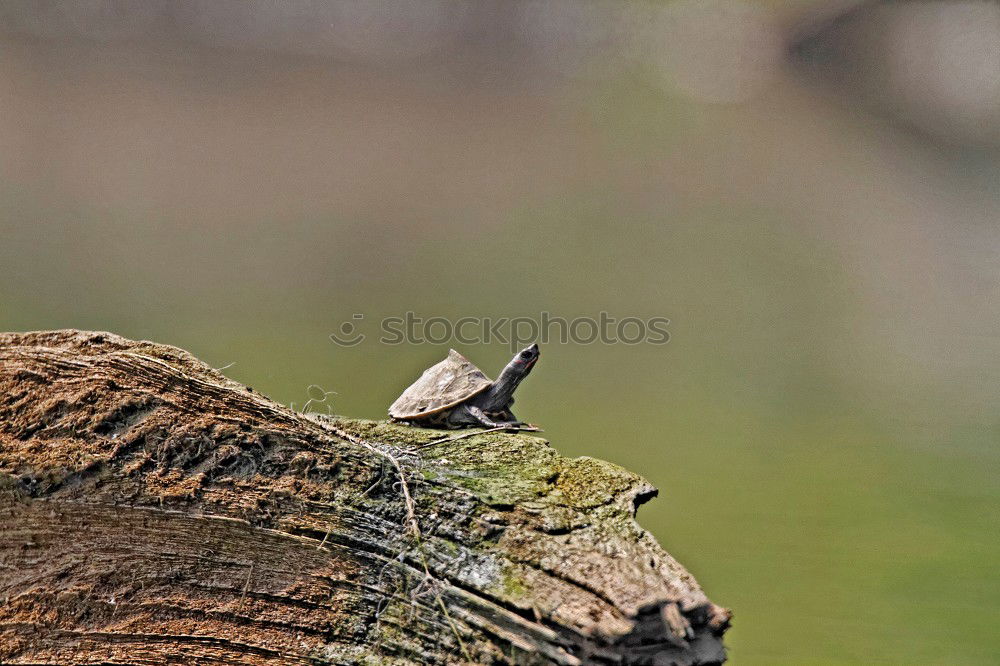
(411, 518)
(373, 486)
(246, 587)
(472, 434)
(325, 537)
(311, 400)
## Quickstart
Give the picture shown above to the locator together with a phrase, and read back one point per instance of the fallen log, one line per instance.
(153, 511)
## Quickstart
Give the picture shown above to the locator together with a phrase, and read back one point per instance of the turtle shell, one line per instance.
(442, 386)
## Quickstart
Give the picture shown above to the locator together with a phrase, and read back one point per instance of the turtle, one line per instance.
(455, 393)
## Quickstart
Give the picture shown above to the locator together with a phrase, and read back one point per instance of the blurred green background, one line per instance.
(237, 179)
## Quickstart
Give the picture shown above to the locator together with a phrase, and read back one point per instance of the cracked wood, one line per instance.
(153, 510)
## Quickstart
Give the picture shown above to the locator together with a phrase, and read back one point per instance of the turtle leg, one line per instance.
(460, 416)
(508, 417)
(480, 416)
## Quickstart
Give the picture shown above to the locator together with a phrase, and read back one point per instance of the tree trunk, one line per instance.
(153, 511)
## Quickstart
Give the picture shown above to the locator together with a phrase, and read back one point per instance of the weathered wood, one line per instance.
(153, 511)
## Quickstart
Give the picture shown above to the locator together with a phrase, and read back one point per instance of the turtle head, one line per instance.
(500, 395)
(526, 358)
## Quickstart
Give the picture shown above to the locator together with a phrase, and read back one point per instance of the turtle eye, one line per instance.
(526, 354)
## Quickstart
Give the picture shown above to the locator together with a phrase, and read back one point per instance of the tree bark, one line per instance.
(153, 511)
